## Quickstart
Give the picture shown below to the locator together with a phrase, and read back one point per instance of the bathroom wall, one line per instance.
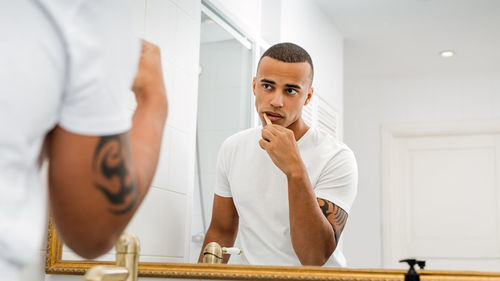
(374, 100)
(174, 26)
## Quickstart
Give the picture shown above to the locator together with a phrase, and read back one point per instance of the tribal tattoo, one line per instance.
(335, 216)
(111, 166)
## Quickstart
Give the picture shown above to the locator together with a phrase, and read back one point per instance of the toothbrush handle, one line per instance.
(231, 250)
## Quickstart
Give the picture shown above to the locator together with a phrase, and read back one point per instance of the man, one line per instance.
(66, 70)
(285, 188)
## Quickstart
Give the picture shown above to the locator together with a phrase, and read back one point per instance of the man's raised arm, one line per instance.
(96, 183)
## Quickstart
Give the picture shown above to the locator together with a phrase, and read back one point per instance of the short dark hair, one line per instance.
(289, 52)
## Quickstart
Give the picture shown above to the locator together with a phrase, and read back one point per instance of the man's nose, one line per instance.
(277, 100)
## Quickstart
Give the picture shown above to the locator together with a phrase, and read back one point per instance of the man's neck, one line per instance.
(299, 128)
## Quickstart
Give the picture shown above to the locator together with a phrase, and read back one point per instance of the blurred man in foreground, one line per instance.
(66, 69)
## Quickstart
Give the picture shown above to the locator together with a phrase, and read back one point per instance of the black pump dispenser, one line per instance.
(412, 274)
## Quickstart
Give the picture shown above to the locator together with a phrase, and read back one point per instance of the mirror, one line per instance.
(424, 129)
(225, 107)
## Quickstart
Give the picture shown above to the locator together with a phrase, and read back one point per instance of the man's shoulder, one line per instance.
(329, 146)
(242, 137)
(239, 144)
(323, 138)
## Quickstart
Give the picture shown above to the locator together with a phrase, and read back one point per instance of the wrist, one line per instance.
(152, 91)
(298, 172)
(154, 105)
(151, 96)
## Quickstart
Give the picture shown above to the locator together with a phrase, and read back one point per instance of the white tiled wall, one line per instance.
(160, 224)
(164, 220)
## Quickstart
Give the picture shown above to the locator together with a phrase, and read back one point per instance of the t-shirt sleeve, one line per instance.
(222, 187)
(338, 182)
(103, 56)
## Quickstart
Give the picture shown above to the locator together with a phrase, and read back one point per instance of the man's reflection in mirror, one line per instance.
(285, 188)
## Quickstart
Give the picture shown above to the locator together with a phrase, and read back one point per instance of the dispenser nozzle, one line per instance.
(412, 274)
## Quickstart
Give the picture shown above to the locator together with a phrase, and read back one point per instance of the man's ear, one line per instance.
(309, 96)
(253, 85)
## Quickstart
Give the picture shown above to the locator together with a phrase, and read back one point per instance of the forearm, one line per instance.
(223, 238)
(311, 233)
(146, 137)
(145, 141)
(149, 117)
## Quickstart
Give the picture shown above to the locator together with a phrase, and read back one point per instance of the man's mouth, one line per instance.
(273, 116)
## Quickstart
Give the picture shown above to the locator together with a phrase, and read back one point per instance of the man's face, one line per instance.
(281, 89)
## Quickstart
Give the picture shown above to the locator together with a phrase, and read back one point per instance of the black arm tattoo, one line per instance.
(335, 216)
(111, 167)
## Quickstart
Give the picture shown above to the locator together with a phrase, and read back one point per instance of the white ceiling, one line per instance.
(404, 37)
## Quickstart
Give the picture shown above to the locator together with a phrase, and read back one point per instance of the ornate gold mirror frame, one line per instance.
(54, 264)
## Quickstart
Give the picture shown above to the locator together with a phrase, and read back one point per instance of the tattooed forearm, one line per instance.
(112, 170)
(335, 215)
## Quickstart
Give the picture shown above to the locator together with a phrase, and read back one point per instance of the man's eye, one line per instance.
(291, 91)
(266, 86)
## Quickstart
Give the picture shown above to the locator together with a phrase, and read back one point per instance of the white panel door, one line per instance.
(443, 191)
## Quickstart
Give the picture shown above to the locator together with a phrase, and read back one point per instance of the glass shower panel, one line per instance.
(224, 108)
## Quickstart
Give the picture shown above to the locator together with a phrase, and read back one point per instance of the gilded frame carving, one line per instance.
(54, 264)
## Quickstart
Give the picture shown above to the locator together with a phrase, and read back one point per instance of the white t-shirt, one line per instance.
(66, 62)
(259, 190)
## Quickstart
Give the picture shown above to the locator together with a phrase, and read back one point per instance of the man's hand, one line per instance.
(280, 144)
(149, 76)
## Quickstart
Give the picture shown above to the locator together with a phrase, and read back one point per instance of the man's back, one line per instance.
(31, 88)
(67, 68)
